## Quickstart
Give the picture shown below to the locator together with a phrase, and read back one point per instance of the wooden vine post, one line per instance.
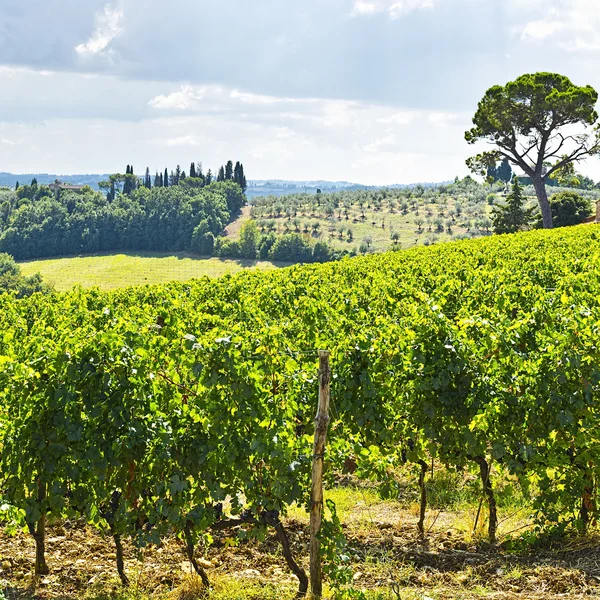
(316, 499)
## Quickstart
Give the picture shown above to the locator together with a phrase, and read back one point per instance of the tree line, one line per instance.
(128, 182)
(37, 223)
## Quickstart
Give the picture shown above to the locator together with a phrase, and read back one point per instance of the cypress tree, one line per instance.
(166, 179)
(17, 185)
(148, 179)
(243, 183)
(209, 177)
(504, 171)
(177, 174)
(229, 170)
(238, 175)
(193, 170)
(157, 178)
(221, 174)
(161, 180)
(512, 216)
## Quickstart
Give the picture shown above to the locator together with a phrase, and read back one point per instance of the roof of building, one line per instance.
(65, 186)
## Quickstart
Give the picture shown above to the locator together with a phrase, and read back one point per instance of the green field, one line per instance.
(114, 271)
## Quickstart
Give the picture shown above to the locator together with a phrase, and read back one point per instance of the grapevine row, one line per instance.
(188, 407)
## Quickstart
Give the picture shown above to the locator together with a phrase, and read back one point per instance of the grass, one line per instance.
(111, 271)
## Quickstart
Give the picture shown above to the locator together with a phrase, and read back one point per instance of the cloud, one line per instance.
(383, 142)
(187, 97)
(394, 8)
(185, 140)
(572, 25)
(442, 118)
(107, 27)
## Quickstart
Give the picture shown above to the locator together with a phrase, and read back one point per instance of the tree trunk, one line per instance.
(189, 550)
(292, 564)
(421, 523)
(540, 190)
(588, 500)
(484, 472)
(120, 560)
(38, 532)
(41, 568)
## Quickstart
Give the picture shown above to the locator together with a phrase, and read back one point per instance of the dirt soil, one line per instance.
(80, 557)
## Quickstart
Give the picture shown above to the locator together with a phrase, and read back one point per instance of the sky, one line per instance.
(368, 91)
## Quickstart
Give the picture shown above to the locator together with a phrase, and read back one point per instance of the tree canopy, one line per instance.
(536, 120)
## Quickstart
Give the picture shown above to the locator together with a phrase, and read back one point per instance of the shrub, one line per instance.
(11, 279)
(291, 248)
(569, 208)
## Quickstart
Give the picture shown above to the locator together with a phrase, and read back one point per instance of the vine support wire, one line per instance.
(316, 497)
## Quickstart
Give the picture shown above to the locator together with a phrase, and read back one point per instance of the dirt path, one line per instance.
(233, 229)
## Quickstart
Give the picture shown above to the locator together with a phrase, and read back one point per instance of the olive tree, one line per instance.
(539, 123)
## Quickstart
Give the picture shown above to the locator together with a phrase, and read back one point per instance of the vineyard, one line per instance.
(186, 409)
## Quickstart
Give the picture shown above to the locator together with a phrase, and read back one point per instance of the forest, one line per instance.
(37, 223)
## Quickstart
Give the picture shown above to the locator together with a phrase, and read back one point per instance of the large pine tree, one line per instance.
(512, 216)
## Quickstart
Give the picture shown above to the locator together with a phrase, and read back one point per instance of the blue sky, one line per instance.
(372, 91)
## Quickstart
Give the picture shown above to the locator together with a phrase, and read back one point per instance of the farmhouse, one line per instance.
(60, 186)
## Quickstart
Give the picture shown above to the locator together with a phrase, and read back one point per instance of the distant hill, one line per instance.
(281, 187)
(256, 187)
(10, 179)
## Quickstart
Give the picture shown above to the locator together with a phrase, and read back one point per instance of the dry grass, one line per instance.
(385, 550)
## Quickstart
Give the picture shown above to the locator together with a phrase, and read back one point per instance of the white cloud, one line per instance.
(394, 8)
(405, 117)
(383, 142)
(184, 140)
(187, 97)
(107, 28)
(364, 8)
(539, 30)
(442, 118)
(570, 24)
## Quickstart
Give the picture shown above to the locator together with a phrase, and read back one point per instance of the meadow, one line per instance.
(112, 271)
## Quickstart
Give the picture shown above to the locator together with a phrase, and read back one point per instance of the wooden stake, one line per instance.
(316, 504)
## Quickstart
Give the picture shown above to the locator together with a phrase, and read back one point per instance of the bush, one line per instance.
(11, 279)
(322, 252)
(265, 245)
(203, 240)
(249, 240)
(569, 208)
(291, 247)
(229, 249)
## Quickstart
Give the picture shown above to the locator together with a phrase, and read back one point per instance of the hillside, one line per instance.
(460, 373)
